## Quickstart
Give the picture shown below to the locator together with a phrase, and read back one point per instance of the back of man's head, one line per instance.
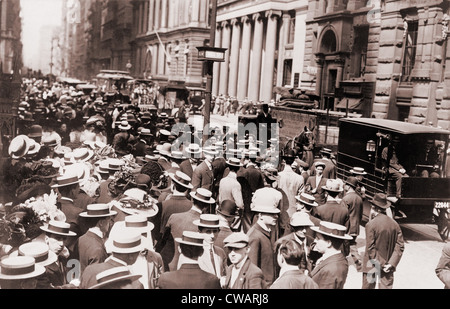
(291, 251)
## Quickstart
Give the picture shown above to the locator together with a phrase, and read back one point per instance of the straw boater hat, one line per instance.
(82, 154)
(380, 200)
(234, 162)
(236, 240)
(70, 177)
(191, 238)
(332, 229)
(138, 223)
(177, 155)
(98, 211)
(124, 125)
(114, 164)
(358, 171)
(333, 185)
(58, 228)
(203, 195)
(49, 141)
(207, 220)
(39, 251)
(34, 148)
(319, 163)
(210, 151)
(128, 241)
(19, 146)
(182, 179)
(193, 149)
(20, 267)
(307, 199)
(300, 219)
(114, 275)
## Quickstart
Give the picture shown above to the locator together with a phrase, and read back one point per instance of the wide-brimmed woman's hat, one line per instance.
(19, 146)
(358, 171)
(332, 229)
(208, 221)
(114, 275)
(124, 125)
(333, 185)
(203, 195)
(380, 200)
(128, 241)
(20, 267)
(98, 211)
(58, 228)
(191, 238)
(307, 199)
(136, 196)
(39, 251)
(181, 179)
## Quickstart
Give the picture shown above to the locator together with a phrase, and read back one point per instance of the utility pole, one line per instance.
(210, 69)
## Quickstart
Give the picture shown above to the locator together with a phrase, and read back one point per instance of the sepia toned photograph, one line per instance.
(209, 145)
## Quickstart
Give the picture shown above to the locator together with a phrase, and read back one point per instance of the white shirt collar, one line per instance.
(287, 268)
(264, 227)
(96, 231)
(67, 199)
(196, 209)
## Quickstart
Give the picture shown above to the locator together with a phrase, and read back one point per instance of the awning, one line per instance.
(352, 103)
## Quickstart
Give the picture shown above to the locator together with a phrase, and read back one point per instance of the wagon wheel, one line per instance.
(443, 223)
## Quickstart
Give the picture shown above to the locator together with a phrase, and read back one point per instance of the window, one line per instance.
(291, 35)
(359, 52)
(410, 46)
(287, 72)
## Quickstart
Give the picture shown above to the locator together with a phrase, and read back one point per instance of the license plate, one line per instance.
(441, 204)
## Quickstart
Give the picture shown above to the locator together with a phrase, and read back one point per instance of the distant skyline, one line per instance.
(37, 16)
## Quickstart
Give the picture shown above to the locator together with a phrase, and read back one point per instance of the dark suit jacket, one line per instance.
(384, 242)
(186, 167)
(82, 200)
(189, 276)
(76, 224)
(203, 177)
(91, 250)
(254, 177)
(332, 211)
(250, 277)
(331, 273)
(354, 204)
(261, 251)
(224, 232)
(294, 279)
(320, 193)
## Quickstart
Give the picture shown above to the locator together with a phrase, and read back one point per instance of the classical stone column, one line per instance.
(151, 13)
(157, 15)
(269, 59)
(164, 14)
(284, 33)
(234, 57)
(319, 61)
(195, 15)
(216, 69)
(244, 59)
(224, 66)
(145, 17)
(255, 74)
(154, 50)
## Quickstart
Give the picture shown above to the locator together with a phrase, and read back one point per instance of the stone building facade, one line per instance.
(265, 47)
(383, 59)
(167, 33)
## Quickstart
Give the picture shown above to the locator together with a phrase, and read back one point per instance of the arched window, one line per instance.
(329, 42)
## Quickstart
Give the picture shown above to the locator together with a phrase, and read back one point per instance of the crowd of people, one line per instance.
(99, 195)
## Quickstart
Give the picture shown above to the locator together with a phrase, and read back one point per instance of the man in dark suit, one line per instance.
(203, 176)
(143, 146)
(242, 273)
(193, 152)
(189, 275)
(331, 269)
(330, 170)
(333, 210)
(125, 251)
(253, 174)
(384, 246)
(180, 222)
(261, 247)
(315, 183)
(264, 120)
(289, 256)
(91, 245)
(354, 203)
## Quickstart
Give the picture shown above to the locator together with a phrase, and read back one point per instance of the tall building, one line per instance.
(265, 47)
(167, 33)
(10, 70)
(384, 59)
